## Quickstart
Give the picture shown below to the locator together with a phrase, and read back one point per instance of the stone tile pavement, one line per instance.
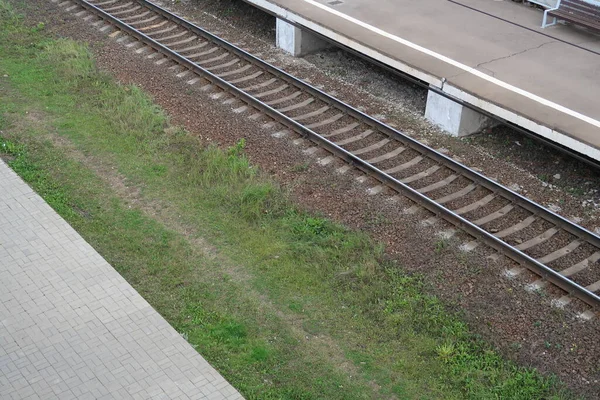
(72, 328)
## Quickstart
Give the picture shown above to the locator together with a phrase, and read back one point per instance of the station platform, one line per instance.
(491, 54)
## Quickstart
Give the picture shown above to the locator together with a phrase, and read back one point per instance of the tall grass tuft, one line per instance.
(8, 17)
(73, 59)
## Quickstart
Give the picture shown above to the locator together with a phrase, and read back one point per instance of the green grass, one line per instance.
(286, 305)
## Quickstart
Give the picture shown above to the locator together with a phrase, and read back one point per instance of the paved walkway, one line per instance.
(72, 327)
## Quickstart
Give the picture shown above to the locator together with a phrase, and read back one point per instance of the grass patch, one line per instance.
(286, 305)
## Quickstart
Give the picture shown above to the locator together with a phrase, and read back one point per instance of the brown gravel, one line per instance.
(524, 326)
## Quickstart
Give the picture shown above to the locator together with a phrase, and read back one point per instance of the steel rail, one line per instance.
(544, 271)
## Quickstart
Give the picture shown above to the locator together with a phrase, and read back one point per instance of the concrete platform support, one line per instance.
(454, 118)
(296, 41)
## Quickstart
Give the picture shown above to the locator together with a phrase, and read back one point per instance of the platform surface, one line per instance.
(490, 53)
(72, 328)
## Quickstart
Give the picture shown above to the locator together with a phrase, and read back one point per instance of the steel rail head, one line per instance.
(492, 241)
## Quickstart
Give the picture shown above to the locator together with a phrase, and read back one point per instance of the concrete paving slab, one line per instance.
(72, 328)
(492, 54)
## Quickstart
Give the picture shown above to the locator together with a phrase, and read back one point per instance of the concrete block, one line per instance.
(296, 41)
(454, 118)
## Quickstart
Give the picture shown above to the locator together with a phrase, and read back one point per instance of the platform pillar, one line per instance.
(454, 118)
(296, 41)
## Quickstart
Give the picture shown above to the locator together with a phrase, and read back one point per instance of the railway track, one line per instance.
(559, 251)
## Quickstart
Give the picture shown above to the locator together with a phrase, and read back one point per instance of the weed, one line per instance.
(158, 170)
(73, 59)
(39, 27)
(309, 227)
(259, 354)
(10, 148)
(296, 306)
(474, 270)
(302, 167)
(377, 219)
(8, 17)
(237, 150)
(441, 244)
(573, 348)
(576, 191)
(445, 351)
